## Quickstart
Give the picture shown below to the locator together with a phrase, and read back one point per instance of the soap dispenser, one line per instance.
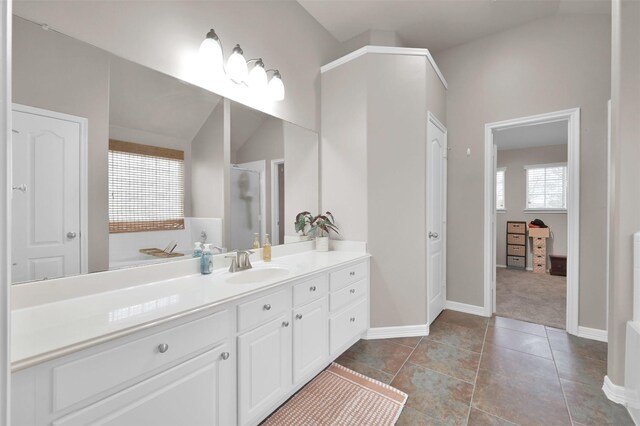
(206, 261)
(197, 249)
(266, 249)
(256, 241)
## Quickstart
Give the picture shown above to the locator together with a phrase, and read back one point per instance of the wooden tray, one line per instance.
(159, 253)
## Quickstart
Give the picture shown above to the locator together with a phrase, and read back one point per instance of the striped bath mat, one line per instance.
(339, 396)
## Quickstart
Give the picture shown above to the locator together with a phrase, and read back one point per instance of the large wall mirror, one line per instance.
(118, 165)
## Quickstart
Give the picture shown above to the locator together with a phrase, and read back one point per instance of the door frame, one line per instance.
(431, 118)
(572, 117)
(84, 172)
(275, 206)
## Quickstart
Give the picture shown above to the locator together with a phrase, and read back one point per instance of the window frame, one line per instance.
(564, 191)
(504, 189)
(158, 224)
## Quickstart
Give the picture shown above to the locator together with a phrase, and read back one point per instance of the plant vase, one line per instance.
(322, 243)
(304, 238)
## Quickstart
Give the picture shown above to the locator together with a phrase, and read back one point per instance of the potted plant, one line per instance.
(303, 224)
(321, 226)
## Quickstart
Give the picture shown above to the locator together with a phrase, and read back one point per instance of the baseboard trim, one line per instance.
(615, 393)
(593, 334)
(399, 331)
(463, 307)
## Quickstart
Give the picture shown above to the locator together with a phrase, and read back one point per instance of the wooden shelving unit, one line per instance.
(516, 245)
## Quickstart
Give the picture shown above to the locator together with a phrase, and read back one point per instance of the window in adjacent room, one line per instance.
(546, 186)
(500, 188)
(146, 188)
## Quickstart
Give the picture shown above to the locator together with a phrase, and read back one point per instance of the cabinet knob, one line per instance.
(353, 319)
(285, 323)
(224, 356)
(312, 288)
(353, 291)
(298, 316)
(266, 307)
(163, 347)
(352, 273)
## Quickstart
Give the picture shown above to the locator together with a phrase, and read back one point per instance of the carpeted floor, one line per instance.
(538, 298)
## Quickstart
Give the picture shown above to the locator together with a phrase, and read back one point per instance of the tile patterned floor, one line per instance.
(480, 371)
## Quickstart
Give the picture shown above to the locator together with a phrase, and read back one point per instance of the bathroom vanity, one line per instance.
(227, 348)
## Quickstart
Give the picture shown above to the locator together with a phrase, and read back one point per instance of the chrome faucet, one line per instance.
(240, 260)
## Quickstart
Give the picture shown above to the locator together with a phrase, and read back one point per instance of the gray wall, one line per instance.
(625, 175)
(515, 190)
(548, 65)
(76, 82)
(373, 172)
(207, 167)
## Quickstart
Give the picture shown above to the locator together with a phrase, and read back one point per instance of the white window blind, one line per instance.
(547, 186)
(500, 189)
(146, 188)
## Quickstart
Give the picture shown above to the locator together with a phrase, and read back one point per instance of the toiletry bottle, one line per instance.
(206, 261)
(197, 249)
(256, 241)
(266, 249)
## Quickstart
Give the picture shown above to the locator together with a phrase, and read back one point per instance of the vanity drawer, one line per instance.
(260, 310)
(347, 325)
(347, 295)
(346, 276)
(84, 378)
(310, 290)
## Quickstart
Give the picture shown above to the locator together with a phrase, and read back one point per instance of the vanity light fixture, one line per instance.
(237, 68)
(257, 75)
(276, 87)
(211, 51)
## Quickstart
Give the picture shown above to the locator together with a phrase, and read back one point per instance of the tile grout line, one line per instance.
(564, 396)
(475, 382)
(405, 361)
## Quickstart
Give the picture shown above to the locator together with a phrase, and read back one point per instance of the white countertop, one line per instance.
(49, 330)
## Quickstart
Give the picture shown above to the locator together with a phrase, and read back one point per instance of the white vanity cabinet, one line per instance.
(158, 376)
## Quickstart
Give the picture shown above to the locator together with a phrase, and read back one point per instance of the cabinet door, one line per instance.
(310, 338)
(264, 368)
(195, 392)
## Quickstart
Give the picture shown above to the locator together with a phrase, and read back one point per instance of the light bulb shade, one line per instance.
(276, 87)
(237, 66)
(211, 52)
(258, 76)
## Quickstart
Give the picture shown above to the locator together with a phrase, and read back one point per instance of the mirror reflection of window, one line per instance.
(146, 188)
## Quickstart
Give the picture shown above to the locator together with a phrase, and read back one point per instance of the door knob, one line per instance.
(298, 316)
(71, 235)
(163, 347)
(224, 356)
(22, 188)
(433, 235)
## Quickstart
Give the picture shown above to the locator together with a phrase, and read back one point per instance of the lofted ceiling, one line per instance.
(531, 136)
(439, 24)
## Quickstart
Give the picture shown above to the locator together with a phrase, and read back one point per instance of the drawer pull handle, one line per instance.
(224, 356)
(163, 347)
(298, 316)
(312, 288)
(285, 323)
(352, 273)
(353, 291)
(352, 319)
(266, 307)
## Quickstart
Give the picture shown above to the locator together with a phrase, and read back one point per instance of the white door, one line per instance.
(310, 338)
(264, 368)
(45, 198)
(436, 216)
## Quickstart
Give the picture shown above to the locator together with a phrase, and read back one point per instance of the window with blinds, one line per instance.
(500, 189)
(547, 186)
(146, 188)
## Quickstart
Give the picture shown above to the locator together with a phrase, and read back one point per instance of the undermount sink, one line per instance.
(252, 276)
